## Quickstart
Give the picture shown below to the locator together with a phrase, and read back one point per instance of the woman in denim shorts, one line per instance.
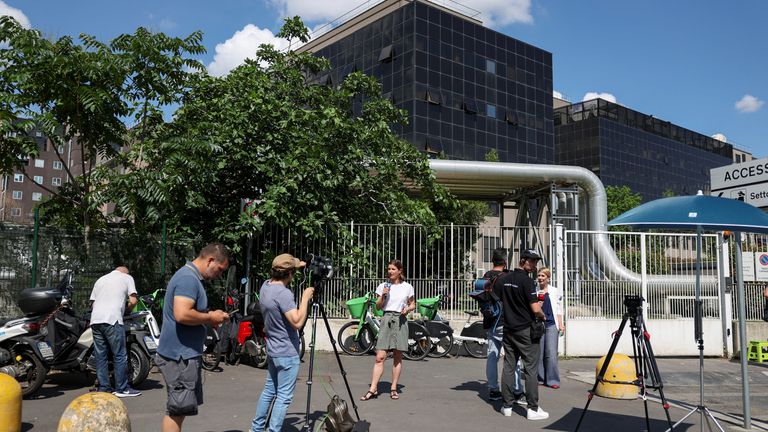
(396, 299)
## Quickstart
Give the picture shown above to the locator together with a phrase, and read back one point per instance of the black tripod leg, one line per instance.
(603, 369)
(656, 374)
(315, 307)
(338, 360)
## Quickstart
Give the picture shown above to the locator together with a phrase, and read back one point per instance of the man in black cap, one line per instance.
(523, 327)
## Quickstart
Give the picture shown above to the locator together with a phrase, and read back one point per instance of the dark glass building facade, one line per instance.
(625, 147)
(467, 89)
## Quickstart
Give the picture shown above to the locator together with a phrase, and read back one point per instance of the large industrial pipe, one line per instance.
(489, 180)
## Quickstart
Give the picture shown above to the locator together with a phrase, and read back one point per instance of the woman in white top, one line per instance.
(552, 305)
(396, 299)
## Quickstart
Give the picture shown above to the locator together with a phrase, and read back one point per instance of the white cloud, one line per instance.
(749, 104)
(496, 13)
(492, 12)
(167, 24)
(557, 94)
(594, 95)
(16, 13)
(242, 45)
(720, 137)
(312, 11)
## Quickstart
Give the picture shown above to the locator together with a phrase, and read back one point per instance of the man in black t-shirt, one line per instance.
(521, 310)
(494, 333)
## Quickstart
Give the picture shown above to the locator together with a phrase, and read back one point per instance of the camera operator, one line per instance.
(282, 320)
(396, 299)
(523, 328)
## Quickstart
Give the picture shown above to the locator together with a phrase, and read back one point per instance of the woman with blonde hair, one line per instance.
(396, 299)
(552, 306)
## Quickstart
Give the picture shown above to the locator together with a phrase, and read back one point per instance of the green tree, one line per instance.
(668, 193)
(621, 199)
(82, 93)
(313, 156)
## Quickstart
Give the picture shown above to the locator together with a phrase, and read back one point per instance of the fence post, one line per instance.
(644, 273)
(453, 293)
(35, 239)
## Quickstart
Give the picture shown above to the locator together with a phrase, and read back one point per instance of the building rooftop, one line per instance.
(600, 108)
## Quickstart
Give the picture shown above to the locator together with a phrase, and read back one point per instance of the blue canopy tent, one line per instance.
(705, 213)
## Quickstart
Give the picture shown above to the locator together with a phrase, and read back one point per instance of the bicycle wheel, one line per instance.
(354, 342)
(441, 346)
(419, 343)
(476, 349)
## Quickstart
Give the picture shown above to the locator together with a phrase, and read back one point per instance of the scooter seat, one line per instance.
(247, 318)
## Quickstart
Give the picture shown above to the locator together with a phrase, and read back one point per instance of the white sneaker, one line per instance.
(507, 411)
(539, 414)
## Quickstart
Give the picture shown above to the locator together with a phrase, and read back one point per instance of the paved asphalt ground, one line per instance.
(446, 394)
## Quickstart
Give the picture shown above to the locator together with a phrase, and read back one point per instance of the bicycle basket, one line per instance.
(428, 307)
(356, 307)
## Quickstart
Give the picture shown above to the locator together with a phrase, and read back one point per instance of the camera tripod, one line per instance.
(648, 376)
(318, 309)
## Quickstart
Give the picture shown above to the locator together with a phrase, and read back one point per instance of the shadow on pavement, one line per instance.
(603, 421)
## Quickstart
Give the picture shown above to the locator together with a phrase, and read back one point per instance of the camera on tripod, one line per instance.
(318, 269)
(633, 302)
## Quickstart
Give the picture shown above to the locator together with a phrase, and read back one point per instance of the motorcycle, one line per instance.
(247, 338)
(66, 343)
(21, 353)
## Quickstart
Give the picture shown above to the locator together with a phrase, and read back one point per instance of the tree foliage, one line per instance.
(309, 157)
(620, 200)
(83, 93)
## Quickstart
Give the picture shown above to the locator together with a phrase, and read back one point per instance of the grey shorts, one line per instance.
(184, 383)
(393, 333)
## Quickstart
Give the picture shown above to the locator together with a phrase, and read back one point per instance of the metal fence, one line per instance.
(659, 266)
(444, 259)
(60, 252)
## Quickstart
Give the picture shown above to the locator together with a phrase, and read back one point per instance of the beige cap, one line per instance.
(286, 262)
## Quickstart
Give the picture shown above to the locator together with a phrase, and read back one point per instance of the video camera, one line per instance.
(318, 269)
(633, 302)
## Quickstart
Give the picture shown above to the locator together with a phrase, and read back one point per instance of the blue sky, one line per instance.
(701, 64)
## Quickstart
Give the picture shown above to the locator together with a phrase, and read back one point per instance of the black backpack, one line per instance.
(338, 418)
(488, 302)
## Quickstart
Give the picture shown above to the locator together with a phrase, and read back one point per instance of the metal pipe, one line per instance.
(489, 180)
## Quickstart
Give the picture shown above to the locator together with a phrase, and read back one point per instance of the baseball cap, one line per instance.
(286, 262)
(530, 254)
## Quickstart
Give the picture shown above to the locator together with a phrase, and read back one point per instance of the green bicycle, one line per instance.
(359, 337)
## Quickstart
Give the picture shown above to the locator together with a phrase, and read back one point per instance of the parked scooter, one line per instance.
(21, 354)
(247, 339)
(66, 343)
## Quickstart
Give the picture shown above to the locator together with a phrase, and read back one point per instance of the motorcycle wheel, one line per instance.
(138, 365)
(260, 359)
(211, 357)
(36, 372)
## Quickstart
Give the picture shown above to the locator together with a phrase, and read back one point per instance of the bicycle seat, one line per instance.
(472, 313)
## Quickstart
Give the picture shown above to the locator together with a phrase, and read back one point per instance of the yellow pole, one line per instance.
(10, 404)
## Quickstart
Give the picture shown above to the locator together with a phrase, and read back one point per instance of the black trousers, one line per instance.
(518, 344)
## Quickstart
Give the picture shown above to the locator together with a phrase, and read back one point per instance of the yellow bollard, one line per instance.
(10, 404)
(621, 369)
(95, 412)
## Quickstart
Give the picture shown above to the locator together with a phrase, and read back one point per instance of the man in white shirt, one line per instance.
(108, 300)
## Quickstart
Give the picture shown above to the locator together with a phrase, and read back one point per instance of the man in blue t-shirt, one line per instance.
(282, 320)
(180, 349)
